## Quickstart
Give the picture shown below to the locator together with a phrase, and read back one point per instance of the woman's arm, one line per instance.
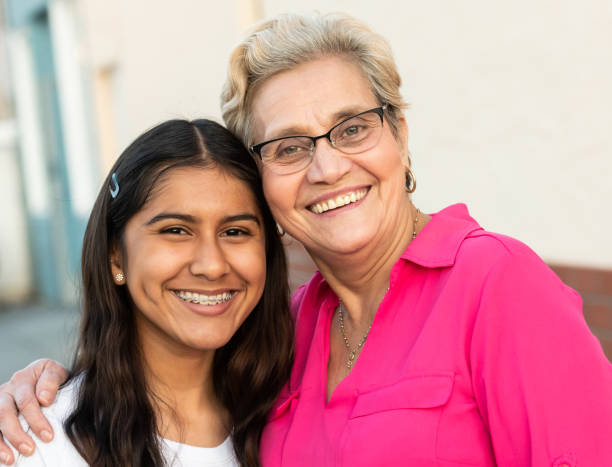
(542, 381)
(36, 384)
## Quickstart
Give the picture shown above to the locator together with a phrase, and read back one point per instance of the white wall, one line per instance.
(511, 101)
(511, 113)
(14, 259)
(75, 112)
(163, 59)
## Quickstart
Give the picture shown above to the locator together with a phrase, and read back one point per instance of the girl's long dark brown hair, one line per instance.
(114, 420)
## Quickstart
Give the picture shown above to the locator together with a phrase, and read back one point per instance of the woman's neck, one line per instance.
(361, 279)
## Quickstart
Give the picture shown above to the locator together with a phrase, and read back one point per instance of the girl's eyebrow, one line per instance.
(172, 215)
(193, 219)
(242, 217)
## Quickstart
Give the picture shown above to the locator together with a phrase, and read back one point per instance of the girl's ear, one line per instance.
(116, 264)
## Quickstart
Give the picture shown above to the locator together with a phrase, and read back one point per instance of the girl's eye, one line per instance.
(235, 232)
(174, 231)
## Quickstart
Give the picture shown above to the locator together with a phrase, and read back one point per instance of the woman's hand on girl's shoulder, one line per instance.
(27, 390)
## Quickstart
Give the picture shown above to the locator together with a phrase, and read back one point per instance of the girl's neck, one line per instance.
(180, 382)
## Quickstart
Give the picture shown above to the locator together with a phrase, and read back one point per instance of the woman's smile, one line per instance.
(341, 202)
(334, 202)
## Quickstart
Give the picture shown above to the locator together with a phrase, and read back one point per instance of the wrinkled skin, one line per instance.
(27, 390)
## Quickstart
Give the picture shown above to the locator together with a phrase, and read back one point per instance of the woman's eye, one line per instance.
(352, 130)
(288, 151)
(292, 148)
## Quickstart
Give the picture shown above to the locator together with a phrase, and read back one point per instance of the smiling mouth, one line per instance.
(338, 201)
(209, 300)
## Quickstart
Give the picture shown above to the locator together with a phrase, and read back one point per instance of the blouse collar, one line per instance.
(438, 243)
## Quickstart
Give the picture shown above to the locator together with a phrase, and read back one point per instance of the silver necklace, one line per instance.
(354, 352)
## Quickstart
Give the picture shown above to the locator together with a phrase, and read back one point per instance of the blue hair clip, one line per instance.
(114, 191)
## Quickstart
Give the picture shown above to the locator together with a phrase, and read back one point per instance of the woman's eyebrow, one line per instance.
(341, 114)
(348, 112)
(172, 215)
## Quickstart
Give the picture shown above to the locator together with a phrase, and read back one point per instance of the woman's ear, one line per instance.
(116, 264)
(402, 137)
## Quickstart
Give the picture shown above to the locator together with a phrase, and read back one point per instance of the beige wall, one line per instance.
(15, 273)
(155, 60)
(511, 101)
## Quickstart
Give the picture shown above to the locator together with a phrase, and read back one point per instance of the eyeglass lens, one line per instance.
(354, 135)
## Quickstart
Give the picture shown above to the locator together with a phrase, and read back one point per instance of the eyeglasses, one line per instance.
(351, 136)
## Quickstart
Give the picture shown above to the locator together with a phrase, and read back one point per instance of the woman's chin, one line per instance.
(349, 243)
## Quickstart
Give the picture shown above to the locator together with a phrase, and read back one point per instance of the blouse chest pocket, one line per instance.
(398, 422)
(415, 392)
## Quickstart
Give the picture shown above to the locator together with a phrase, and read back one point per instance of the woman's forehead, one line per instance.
(312, 95)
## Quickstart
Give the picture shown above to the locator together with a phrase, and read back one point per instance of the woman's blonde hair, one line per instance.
(288, 40)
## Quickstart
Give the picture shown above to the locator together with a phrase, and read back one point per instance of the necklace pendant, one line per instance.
(351, 360)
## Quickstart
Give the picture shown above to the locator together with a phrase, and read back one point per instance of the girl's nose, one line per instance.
(209, 260)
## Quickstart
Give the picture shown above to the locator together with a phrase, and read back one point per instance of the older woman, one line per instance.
(422, 340)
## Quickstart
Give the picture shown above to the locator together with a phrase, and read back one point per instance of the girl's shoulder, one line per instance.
(64, 401)
(60, 451)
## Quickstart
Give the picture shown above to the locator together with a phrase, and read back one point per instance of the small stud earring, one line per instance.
(280, 230)
(119, 278)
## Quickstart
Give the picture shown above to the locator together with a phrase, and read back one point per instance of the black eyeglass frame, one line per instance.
(380, 111)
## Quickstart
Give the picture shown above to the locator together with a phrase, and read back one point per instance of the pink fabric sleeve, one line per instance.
(541, 379)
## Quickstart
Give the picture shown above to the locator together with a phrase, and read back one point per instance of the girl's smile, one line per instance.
(194, 258)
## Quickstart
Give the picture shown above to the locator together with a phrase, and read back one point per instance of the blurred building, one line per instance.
(80, 79)
(511, 113)
(53, 139)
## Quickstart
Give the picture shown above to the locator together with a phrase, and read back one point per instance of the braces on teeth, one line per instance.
(202, 299)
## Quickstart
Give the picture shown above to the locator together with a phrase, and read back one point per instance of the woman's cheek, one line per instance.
(280, 193)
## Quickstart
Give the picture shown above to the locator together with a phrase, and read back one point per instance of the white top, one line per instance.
(61, 453)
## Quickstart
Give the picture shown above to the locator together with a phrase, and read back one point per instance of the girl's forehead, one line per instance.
(200, 187)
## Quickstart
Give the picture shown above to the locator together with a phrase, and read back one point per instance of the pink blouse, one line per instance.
(478, 356)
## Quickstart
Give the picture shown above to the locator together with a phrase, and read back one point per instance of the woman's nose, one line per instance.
(328, 163)
(209, 260)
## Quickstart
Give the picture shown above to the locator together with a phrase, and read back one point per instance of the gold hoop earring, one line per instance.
(410, 181)
(280, 230)
(119, 278)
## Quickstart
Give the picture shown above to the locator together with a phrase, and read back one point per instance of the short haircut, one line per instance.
(288, 40)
